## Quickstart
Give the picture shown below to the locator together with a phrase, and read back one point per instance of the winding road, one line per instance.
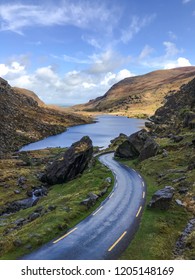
(106, 233)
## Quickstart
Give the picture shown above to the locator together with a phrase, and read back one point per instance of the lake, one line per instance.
(106, 128)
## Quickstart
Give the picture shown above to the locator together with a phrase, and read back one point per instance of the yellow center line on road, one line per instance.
(62, 237)
(118, 240)
(138, 211)
(97, 211)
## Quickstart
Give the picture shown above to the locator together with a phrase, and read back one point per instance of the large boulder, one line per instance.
(73, 162)
(139, 144)
(162, 198)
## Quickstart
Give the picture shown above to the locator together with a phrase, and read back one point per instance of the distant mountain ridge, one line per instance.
(24, 118)
(140, 94)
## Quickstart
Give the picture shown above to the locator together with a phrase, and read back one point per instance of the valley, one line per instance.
(163, 154)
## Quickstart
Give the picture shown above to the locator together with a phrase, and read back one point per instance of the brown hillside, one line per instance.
(140, 94)
(29, 93)
(22, 120)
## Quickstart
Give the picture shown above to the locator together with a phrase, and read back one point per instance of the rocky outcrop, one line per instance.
(177, 113)
(138, 145)
(73, 162)
(162, 198)
(32, 199)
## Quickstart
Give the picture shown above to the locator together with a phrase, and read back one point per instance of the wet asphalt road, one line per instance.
(106, 233)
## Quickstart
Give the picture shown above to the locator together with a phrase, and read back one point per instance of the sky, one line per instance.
(71, 51)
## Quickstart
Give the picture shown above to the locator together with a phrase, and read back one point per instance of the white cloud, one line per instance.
(124, 73)
(107, 61)
(135, 26)
(73, 87)
(112, 78)
(75, 60)
(186, 1)
(170, 49)
(16, 16)
(12, 70)
(88, 85)
(180, 62)
(170, 58)
(94, 42)
(146, 51)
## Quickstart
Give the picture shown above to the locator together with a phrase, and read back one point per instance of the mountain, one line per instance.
(29, 93)
(177, 114)
(171, 167)
(140, 94)
(24, 118)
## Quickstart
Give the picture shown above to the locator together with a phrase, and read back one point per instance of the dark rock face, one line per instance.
(139, 144)
(162, 198)
(74, 162)
(126, 150)
(177, 113)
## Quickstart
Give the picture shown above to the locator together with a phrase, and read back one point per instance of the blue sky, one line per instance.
(70, 51)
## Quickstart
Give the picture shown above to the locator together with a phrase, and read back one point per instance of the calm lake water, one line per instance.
(106, 128)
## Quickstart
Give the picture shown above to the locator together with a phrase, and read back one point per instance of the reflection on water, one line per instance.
(105, 129)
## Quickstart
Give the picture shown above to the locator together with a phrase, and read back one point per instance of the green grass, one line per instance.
(159, 230)
(51, 224)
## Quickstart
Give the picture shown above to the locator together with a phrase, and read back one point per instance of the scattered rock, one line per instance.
(52, 207)
(138, 145)
(73, 162)
(183, 190)
(62, 226)
(179, 179)
(162, 198)
(182, 240)
(191, 164)
(165, 153)
(21, 180)
(103, 192)
(20, 222)
(108, 180)
(179, 202)
(40, 191)
(177, 138)
(17, 243)
(90, 200)
(17, 205)
(39, 209)
(150, 125)
(33, 216)
(29, 193)
(17, 191)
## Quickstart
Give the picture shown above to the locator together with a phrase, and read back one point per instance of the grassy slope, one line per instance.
(66, 198)
(159, 230)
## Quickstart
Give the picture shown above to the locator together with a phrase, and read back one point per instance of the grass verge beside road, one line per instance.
(59, 211)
